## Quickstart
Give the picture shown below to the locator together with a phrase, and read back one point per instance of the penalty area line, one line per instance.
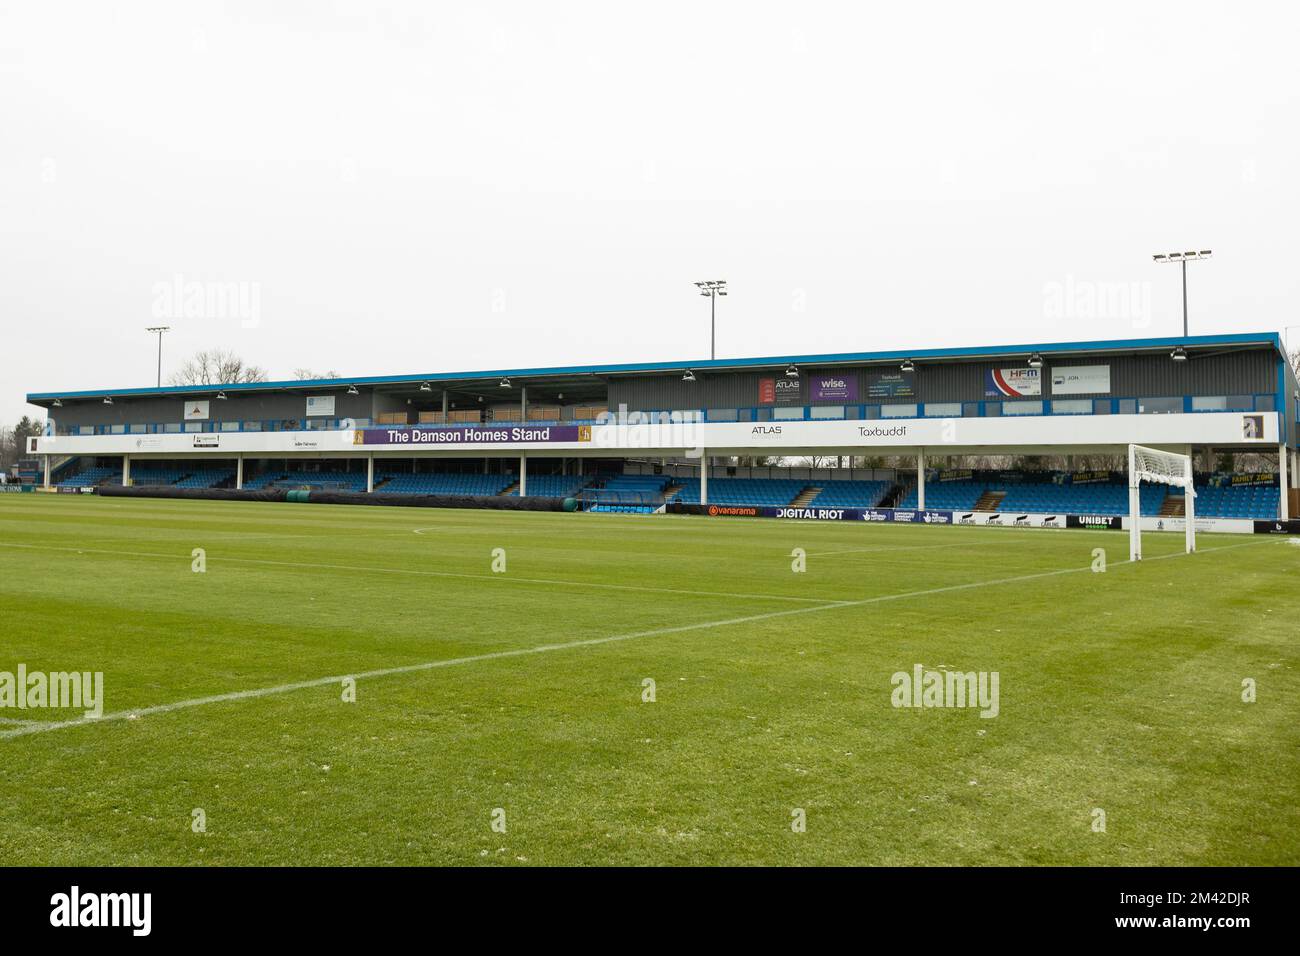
(257, 692)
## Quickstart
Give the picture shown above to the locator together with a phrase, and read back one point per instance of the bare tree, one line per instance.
(216, 367)
(305, 374)
(13, 441)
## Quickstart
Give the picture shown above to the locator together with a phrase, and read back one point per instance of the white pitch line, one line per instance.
(547, 648)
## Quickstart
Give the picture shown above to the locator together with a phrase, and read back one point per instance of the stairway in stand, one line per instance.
(671, 489)
(990, 501)
(808, 494)
(514, 486)
(1174, 506)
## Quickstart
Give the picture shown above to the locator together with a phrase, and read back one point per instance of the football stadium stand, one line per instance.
(97, 475)
(433, 483)
(552, 486)
(1258, 502)
(748, 431)
(850, 494)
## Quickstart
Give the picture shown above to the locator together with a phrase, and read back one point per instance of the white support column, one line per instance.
(370, 472)
(47, 471)
(126, 470)
(1283, 484)
(523, 475)
(704, 479)
(1189, 501)
(920, 479)
(239, 472)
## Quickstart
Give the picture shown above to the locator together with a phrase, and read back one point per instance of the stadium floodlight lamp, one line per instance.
(1035, 361)
(505, 383)
(1182, 259)
(688, 376)
(713, 288)
(108, 399)
(1179, 354)
(352, 390)
(792, 372)
(221, 396)
(58, 403)
(907, 366)
(159, 330)
(426, 387)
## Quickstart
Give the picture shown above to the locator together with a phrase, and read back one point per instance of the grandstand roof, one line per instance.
(1112, 346)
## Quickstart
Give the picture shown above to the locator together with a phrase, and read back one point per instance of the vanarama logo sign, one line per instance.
(715, 510)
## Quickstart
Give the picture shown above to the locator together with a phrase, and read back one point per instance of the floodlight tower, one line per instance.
(1182, 258)
(713, 288)
(159, 329)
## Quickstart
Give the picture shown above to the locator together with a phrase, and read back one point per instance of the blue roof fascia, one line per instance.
(1242, 338)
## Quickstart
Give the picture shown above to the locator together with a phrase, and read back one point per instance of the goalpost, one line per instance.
(1160, 467)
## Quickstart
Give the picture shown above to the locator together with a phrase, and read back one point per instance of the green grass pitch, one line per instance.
(1119, 691)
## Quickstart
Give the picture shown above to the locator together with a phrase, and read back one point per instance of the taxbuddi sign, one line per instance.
(473, 435)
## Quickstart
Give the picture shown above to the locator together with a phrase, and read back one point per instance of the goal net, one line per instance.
(1164, 468)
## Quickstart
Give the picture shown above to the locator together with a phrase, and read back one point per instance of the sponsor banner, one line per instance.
(14, 489)
(88, 490)
(320, 405)
(903, 516)
(1080, 380)
(1255, 478)
(834, 388)
(1010, 519)
(780, 391)
(472, 435)
(952, 474)
(1278, 527)
(196, 411)
(1013, 382)
(891, 385)
(1113, 522)
(207, 440)
(1089, 477)
(1252, 427)
(1203, 525)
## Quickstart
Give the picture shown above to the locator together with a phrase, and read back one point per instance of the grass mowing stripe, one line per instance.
(548, 648)
(501, 578)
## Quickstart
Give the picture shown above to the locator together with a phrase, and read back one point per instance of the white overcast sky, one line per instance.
(431, 187)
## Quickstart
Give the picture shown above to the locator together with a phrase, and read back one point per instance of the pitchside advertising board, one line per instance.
(986, 519)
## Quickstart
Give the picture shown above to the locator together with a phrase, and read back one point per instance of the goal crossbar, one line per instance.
(1158, 467)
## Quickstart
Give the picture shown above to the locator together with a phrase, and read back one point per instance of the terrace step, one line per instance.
(671, 489)
(893, 496)
(990, 501)
(510, 490)
(808, 494)
(1174, 506)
